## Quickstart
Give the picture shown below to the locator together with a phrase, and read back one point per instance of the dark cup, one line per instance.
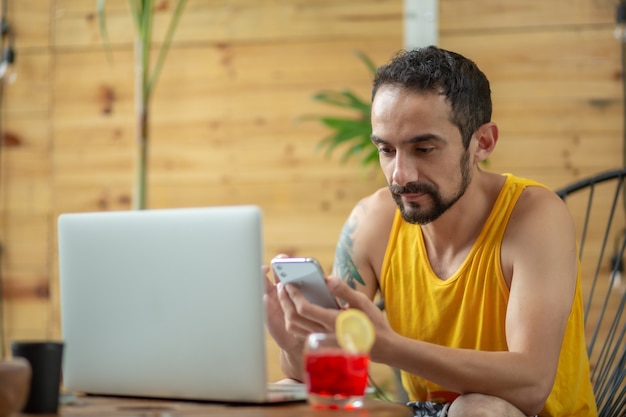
(45, 360)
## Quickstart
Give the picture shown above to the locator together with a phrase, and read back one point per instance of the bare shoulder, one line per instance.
(374, 214)
(540, 233)
(380, 204)
(363, 241)
(538, 205)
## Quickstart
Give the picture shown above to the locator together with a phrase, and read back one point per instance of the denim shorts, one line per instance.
(429, 409)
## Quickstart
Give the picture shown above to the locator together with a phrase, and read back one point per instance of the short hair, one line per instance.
(432, 69)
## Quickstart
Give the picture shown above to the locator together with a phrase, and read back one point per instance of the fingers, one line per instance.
(342, 291)
(276, 318)
(269, 285)
(302, 317)
(266, 269)
(291, 317)
(358, 300)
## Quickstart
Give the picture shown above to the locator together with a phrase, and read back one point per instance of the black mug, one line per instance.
(45, 360)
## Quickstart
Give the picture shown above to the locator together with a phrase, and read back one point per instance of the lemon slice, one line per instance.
(354, 331)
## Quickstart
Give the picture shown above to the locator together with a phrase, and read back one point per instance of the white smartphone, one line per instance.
(308, 275)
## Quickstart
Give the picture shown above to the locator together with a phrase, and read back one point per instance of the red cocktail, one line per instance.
(336, 379)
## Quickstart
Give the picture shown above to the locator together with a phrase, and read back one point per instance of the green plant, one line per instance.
(353, 132)
(145, 80)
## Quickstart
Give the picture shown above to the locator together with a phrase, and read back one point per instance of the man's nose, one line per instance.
(404, 171)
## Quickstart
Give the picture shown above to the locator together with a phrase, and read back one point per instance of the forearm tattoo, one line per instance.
(344, 266)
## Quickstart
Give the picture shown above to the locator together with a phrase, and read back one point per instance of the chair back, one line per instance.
(598, 206)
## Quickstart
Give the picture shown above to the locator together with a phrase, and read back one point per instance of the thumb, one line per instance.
(342, 291)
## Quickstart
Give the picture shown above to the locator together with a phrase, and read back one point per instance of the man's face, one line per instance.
(421, 152)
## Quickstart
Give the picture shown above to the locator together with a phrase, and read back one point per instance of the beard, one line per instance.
(417, 213)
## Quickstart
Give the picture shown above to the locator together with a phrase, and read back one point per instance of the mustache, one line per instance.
(412, 188)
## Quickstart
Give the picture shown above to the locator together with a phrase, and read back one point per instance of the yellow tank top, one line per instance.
(468, 309)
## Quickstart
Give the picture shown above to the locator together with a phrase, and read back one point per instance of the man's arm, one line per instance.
(358, 256)
(362, 242)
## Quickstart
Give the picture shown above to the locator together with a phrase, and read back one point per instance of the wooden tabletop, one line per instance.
(92, 406)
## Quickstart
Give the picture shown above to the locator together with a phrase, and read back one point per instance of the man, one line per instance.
(478, 270)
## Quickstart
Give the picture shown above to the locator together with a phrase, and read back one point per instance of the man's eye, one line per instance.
(424, 150)
(385, 151)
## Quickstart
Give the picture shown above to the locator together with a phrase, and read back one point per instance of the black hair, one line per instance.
(432, 69)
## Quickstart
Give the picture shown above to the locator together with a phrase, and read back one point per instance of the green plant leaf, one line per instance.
(370, 157)
(368, 62)
(178, 11)
(345, 131)
(101, 9)
(136, 7)
(358, 125)
(343, 98)
(352, 151)
(145, 36)
(142, 12)
(353, 132)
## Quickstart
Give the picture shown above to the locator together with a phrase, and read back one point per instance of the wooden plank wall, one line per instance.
(225, 115)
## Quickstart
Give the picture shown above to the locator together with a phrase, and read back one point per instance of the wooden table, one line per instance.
(93, 406)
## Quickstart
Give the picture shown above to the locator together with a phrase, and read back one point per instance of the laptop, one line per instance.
(166, 303)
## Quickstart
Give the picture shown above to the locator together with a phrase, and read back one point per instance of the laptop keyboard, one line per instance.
(287, 388)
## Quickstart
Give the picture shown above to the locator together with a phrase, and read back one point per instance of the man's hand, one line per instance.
(276, 316)
(360, 301)
(303, 318)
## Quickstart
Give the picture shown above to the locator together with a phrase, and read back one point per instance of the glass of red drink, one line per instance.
(335, 378)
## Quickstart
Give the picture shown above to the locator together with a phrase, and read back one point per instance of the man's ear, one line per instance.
(486, 138)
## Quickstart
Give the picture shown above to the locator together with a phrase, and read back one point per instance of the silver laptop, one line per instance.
(166, 303)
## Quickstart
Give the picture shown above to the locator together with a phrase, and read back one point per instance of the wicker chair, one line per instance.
(598, 206)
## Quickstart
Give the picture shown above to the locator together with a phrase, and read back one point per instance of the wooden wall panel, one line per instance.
(225, 115)
(557, 99)
(28, 96)
(25, 166)
(29, 319)
(25, 186)
(565, 65)
(235, 21)
(531, 16)
(36, 33)
(224, 120)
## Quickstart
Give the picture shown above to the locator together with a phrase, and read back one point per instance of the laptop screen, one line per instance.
(164, 303)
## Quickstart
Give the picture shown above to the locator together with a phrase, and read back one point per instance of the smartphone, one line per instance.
(308, 275)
